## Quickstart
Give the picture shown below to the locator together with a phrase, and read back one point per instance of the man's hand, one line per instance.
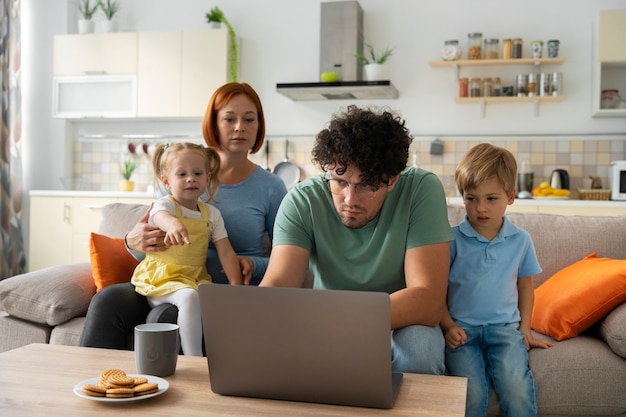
(247, 268)
(145, 238)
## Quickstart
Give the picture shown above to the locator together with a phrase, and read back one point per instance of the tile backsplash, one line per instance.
(96, 162)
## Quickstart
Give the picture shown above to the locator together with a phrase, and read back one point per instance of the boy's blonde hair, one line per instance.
(483, 162)
(163, 153)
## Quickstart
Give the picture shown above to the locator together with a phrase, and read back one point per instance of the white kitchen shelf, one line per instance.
(507, 99)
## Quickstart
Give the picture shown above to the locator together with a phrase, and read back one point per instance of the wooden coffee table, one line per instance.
(38, 379)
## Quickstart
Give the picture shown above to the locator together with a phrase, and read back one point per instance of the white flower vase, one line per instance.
(85, 26)
(109, 26)
(376, 72)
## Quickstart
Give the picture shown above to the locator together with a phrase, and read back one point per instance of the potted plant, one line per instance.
(127, 167)
(85, 24)
(375, 68)
(215, 17)
(110, 8)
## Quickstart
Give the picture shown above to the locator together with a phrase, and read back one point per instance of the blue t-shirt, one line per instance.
(482, 286)
(370, 258)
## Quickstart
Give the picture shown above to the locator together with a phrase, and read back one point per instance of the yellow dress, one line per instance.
(180, 266)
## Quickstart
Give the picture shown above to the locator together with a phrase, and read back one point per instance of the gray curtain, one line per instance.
(12, 260)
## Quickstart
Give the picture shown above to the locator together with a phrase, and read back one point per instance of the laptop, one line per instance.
(299, 344)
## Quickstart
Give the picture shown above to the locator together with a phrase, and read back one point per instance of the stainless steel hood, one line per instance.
(341, 37)
(346, 90)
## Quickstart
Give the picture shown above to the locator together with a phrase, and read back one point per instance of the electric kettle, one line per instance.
(559, 179)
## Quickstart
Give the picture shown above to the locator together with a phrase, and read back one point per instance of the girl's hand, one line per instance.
(177, 234)
(455, 336)
(531, 342)
(247, 268)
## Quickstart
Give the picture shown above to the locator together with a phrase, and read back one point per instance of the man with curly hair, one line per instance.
(370, 223)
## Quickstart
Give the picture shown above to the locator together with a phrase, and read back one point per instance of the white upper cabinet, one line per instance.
(99, 54)
(612, 36)
(175, 72)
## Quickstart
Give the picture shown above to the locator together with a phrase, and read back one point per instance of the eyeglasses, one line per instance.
(339, 187)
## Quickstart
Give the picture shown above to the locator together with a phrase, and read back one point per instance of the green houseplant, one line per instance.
(109, 8)
(217, 16)
(87, 9)
(375, 65)
(127, 167)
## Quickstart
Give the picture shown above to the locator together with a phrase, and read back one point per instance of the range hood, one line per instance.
(341, 37)
(346, 90)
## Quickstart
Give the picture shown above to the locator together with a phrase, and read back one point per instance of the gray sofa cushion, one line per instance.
(49, 296)
(613, 330)
(119, 218)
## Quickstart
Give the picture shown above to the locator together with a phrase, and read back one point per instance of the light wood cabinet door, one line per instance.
(612, 36)
(204, 66)
(50, 238)
(158, 74)
(101, 53)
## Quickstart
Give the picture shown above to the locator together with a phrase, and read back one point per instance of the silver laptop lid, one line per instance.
(322, 346)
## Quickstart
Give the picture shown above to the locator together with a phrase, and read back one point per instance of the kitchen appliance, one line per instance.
(559, 179)
(525, 184)
(617, 180)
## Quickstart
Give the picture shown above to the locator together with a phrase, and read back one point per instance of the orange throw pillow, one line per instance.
(110, 261)
(578, 296)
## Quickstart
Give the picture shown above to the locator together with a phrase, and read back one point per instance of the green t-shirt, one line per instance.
(370, 258)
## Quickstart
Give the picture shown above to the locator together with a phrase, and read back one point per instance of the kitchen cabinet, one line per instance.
(178, 71)
(536, 64)
(60, 227)
(95, 54)
(609, 66)
(563, 207)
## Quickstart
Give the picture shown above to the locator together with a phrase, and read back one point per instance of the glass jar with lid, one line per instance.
(609, 98)
(491, 48)
(521, 85)
(475, 87)
(532, 85)
(463, 87)
(451, 50)
(518, 43)
(474, 45)
(507, 49)
(496, 89)
(487, 87)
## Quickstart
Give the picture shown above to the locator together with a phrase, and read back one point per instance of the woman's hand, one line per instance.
(247, 268)
(145, 238)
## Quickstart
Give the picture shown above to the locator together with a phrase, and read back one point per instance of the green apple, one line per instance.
(328, 77)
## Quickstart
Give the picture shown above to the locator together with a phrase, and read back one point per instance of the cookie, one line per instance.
(120, 392)
(140, 380)
(94, 390)
(146, 388)
(120, 381)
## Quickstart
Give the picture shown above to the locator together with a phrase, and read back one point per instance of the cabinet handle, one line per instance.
(94, 206)
(66, 212)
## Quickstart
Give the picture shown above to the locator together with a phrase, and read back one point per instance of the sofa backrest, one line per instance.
(561, 240)
(119, 218)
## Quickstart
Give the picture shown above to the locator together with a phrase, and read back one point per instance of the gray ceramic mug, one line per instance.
(156, 348)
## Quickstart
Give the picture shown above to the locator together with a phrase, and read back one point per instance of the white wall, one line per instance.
(280, 43)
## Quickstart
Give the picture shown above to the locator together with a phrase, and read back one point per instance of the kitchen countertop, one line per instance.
(103, 194)
(547, 201)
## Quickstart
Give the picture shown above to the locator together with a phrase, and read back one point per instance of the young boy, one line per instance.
(490, 290)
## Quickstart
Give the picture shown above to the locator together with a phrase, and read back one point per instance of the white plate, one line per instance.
(163, 386)
(544, 197)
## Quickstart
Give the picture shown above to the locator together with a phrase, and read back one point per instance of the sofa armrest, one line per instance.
(49, 296)
(613, 330)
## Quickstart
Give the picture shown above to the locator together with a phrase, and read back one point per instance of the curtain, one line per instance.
(12, 259)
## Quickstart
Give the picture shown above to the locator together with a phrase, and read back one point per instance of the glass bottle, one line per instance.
(475, 87)
(491, 48)
(451, 50)
(609, 98)
(474, 45)
(463, 87)
(507, 49)
(517, 48)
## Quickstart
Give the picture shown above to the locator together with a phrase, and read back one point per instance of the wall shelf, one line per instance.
(533, 99)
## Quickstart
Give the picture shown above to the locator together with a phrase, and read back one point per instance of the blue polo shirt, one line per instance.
(482, 287)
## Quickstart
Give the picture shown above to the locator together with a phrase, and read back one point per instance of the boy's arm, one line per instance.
(230, 262)
(526, 299)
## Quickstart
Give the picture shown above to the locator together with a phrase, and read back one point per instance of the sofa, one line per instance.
(584, 375)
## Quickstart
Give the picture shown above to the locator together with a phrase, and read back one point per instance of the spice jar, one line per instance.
(463, 87)
(609, 98)
(451, 50)
(507, 49)
(487, 87)
(521, 85)
(496, 89)
(532, 85)
(474, 45)
(491, 48)
(544, 84)
(517, 48)
(475, 87)
(556, 84)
